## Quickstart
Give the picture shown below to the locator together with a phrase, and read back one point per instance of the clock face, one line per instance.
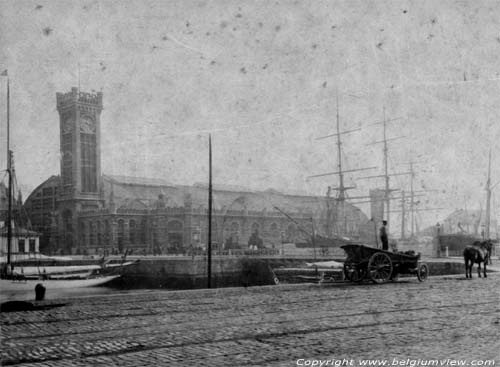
(87, 125)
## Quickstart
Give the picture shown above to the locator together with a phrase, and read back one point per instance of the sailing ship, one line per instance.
(453, 244)
(21, 272)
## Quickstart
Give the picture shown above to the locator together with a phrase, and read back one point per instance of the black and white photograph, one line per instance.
(249, 183)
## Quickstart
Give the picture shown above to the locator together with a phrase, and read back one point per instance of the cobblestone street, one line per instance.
(445, 317)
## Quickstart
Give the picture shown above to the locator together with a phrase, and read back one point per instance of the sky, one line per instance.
(264, 78)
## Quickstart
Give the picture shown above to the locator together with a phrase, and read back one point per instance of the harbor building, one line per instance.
(83, 211)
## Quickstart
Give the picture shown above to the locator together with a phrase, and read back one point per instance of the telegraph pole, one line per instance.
(209, 244)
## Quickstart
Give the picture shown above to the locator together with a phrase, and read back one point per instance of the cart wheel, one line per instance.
(422, 272)
(353, 273)
(380, 267)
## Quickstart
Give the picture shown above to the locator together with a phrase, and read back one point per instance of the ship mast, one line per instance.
(9, 171)
(386, 175)
(488, 200)
(387, 201)
(341, 187)
(412, 200)
(340, 218)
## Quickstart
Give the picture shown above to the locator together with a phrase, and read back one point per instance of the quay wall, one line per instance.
(191, 272)
(188, 272)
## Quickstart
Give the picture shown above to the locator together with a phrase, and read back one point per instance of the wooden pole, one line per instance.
(209, 245)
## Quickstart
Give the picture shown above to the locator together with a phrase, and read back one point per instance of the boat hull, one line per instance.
(29, 285)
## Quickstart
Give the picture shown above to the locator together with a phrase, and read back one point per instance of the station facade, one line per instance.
(82, 211)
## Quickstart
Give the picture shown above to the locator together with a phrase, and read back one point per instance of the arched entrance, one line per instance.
(67, 231)
(175, 236)
(120, 235)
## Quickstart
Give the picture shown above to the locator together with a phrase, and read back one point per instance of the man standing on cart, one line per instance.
(383, 236)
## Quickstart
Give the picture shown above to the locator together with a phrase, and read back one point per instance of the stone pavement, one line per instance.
(445, 317)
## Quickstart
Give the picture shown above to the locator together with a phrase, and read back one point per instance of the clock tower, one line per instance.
(79, 116)
(79, 119)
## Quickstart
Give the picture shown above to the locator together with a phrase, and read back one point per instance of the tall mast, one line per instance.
(328, 212)
(386, 175)
(340, 217)
(341, 212)
(403, 204)
(488, 200)
(339, 148)
(9, 171)
(412, 200)
(209, 246)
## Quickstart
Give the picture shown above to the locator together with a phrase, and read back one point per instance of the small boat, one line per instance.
(316, 272)
(58, 283)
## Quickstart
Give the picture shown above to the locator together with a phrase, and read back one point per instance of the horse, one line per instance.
(479, 252)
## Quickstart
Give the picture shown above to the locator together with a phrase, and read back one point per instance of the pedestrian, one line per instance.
(383, 236)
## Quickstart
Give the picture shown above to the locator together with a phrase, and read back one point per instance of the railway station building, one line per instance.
(83, 211)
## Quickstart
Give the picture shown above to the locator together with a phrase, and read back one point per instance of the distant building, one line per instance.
(23, 240)
(84, 211)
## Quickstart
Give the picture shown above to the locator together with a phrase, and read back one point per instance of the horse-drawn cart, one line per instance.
(378, 265)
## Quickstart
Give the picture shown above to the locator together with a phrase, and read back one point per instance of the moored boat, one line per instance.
(59, 283)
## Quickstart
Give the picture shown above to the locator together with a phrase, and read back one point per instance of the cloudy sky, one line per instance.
(264, 77)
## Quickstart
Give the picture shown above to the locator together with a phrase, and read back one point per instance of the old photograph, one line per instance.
(249, 183)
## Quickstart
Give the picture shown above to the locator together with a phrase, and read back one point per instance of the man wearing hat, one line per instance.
(383, 236)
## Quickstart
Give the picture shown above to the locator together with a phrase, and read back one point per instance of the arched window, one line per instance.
(274, 230)
(83, 234)
(120, 235)
(143, 231)
(175, 235)
(67, 235)
(92, 234)
(255, 227)
(325, 229)
(234, 234)
(88, 158)
(99, 233)
(235, 227)
(133, 231)
(291, 233)
(107, 233)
